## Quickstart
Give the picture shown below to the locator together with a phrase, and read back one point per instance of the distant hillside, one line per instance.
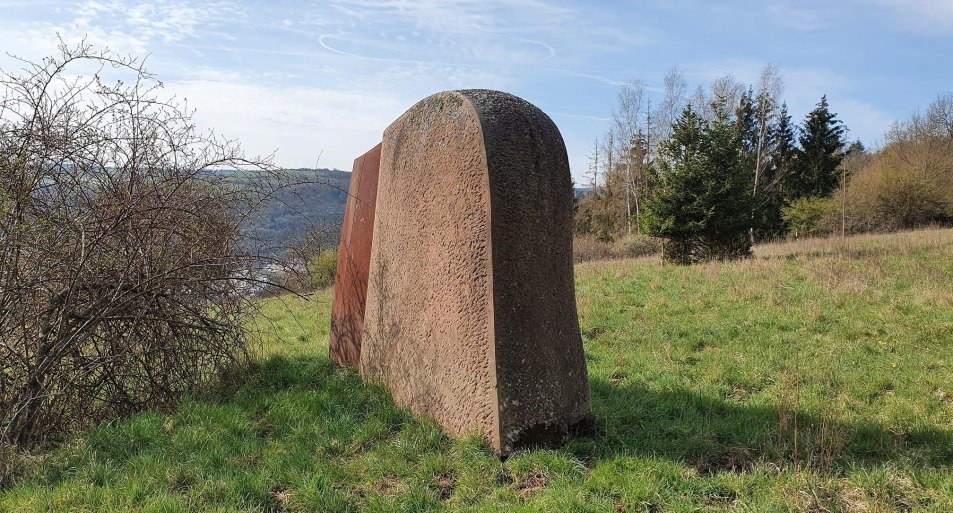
(319, 202)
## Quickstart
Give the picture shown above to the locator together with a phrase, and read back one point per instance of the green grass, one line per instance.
(702, 379)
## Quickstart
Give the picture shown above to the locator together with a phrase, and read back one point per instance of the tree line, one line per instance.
(713, 172)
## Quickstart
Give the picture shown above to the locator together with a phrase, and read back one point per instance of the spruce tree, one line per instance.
(781, 150)
(729, 183)
(821, 152)
(746, 123)
(784, 149)
(702, 203)
(674, 212)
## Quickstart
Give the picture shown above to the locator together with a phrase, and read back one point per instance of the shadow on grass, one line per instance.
(712, 434)
(718, 435)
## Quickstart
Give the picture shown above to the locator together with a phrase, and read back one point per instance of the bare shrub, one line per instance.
(9, 464)
(909, 183)
(123, 278)
(588, 248)
(889, 194)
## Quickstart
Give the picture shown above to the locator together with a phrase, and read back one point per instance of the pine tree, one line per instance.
(702, 203)
(822, 149)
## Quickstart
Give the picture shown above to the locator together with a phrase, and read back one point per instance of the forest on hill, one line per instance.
(314, 198)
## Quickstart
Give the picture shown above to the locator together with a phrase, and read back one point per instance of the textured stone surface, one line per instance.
(354, 254)
(471, 315)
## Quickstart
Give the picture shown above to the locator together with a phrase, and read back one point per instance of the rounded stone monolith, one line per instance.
(471, 313)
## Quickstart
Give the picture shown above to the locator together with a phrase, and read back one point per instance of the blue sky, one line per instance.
(323, 79)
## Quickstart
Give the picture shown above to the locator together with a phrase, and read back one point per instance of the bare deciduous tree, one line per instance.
(669, 109)
(627, 124)
(770, 88)
(123, 273)
(593, 157)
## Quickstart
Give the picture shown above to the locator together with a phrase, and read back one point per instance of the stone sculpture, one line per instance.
(354, 255)
(470, 315)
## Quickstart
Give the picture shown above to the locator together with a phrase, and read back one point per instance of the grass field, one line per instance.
(817, 376)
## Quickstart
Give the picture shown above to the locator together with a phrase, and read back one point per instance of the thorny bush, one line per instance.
(123, 279)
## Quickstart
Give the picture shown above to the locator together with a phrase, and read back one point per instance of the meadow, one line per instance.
(816, 376)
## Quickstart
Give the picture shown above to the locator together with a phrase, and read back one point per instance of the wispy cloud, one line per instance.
(301, 123)
(330, 75)
(929, 16)
(124, 26)
(863, 120)
(459, 15)
(448, 48)
(932, 17)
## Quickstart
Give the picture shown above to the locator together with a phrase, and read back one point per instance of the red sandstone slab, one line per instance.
(471, 314)
(354, 255)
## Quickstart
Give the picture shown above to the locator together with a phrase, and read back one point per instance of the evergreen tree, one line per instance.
(780, 153)
(729, 190)
(702, 202)
(784, 150)
(822, 149)
(674, 211)
(746, 124)
(856, 148)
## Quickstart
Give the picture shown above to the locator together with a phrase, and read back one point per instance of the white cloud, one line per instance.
(299, 122)
(258, 71)
(930, 16)
(925, 16)
(136, 26)
(448, 48)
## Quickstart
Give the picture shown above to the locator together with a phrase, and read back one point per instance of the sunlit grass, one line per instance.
(814, 377)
